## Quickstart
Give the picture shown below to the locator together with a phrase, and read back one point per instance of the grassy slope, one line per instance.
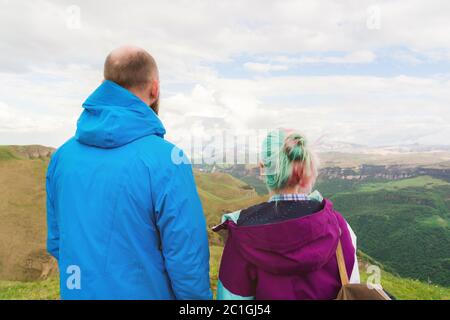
(22, 215)
(36, 290)
(221, 193)
(425, 182)
(408, 289)
(401, 288)
(6, 153)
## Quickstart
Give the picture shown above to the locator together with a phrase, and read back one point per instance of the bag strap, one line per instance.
(341, 264)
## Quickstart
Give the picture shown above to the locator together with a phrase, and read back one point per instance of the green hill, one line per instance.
(221, 193)
(405, 224)
(402, 288)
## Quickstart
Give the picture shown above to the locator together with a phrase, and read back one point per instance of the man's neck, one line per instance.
(141, 96)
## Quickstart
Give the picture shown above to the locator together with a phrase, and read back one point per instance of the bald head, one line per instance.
(130, 67)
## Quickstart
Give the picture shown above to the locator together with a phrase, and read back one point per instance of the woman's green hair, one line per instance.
(286, 159)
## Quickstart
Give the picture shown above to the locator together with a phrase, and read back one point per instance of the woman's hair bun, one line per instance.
(294, 147)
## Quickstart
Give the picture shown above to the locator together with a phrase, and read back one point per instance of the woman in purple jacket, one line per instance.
(286, 248)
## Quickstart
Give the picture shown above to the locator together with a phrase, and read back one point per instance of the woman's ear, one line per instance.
(300, 178)
(305, 182)
(261, 168)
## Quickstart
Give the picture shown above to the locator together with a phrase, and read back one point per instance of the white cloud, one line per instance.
(13, 120)
(182, 34)
(264, 67)
(350, 58)
(48, 69)
(359, 109)
(43, 103)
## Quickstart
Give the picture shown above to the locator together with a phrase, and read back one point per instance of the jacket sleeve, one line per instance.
(224, 294)
(52, 221)
(237, 278)
(184, 240)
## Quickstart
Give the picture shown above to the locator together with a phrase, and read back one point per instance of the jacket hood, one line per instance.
(298, 245)
(113, 117)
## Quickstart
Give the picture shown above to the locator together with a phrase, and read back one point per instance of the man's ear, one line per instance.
(154, 90)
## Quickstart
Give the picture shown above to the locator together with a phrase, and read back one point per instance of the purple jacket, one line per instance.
(293, 259)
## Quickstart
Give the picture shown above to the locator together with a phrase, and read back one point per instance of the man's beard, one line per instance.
(155, 106)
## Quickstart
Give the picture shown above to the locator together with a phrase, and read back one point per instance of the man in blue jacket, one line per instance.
(124, 217)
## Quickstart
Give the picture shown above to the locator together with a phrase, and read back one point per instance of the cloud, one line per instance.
(12, 120)
(43, 103)
(359, 109)
(181, 34)
(48, 66)
(264, 67)
(349, 58)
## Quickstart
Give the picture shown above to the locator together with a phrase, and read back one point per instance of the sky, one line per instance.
(366, 72)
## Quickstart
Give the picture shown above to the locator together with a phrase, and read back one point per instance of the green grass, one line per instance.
(426, 182)
(7, 154)
(436, 222)
(408, 289)
(37, 290)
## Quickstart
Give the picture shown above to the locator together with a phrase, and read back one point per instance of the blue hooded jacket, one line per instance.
(124, 217)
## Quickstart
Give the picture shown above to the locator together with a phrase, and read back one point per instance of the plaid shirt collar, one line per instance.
(290, 197)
